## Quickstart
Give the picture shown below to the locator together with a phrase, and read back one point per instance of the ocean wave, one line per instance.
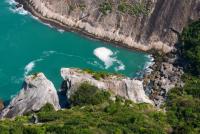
(29, 67)
(107, 56)
(61, 30)
(12, 2)
(48, 53)
(20, 10)
(149, 64)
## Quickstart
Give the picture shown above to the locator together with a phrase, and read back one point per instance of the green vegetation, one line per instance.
(183, 106)
(105, 7)
(120, 117)
(191, 46)
(100, 74)
(88, 94)
(82, 6)
(93, 111)
(136, 9)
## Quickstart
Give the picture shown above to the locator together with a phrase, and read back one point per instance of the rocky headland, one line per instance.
(142, 25)
(118, 85)
(37, 91)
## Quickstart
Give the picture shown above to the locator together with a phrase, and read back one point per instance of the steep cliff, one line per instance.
(118, 85)
(140, 24)
(36, 92)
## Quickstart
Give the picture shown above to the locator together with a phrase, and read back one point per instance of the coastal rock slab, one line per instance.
(36, 92)
(128, 88)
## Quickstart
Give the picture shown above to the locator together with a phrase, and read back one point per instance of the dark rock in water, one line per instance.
(37, 91)
(1, 105)
(19, 5)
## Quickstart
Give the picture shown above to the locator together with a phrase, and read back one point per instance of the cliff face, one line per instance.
(118, 85)
(36, 92)
(141, 24)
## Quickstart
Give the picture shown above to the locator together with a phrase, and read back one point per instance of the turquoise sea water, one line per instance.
(28, 46)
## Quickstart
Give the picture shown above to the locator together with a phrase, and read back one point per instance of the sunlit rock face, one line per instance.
(143, 24)
(37, 91)
(118, 85)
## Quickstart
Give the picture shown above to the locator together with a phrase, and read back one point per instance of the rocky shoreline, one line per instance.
(37, 91)
(156, 84)
(69, 24)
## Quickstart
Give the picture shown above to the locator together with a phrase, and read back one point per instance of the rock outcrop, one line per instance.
(36, 92)
(166, 75)
(118, 85)
(140, 24)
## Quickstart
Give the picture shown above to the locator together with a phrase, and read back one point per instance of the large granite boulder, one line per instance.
(36, 92)
(118, 85)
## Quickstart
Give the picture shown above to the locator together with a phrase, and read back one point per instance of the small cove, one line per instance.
(28, 46)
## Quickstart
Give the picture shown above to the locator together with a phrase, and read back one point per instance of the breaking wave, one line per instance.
(149, 63)
(29, 67)
(107, 56)
(11, 2)
(14, 9)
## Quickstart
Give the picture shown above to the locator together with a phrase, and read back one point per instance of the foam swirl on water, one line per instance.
(29, 67)
(106, 56)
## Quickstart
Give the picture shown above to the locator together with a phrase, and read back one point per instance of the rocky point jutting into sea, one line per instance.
(145, 25)
(38, 90)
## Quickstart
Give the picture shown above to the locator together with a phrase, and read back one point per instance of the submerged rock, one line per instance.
(118, 85)
(36, 92)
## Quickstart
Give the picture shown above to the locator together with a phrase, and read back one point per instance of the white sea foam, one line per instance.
(48, 53)
(120, 67)
(11, 2)
(29, 67)
(61, 30)
(19, 10)
(149, 63)
(14, 9)
(107, 56)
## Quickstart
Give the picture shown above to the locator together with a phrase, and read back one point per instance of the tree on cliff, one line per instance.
(191, 46)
